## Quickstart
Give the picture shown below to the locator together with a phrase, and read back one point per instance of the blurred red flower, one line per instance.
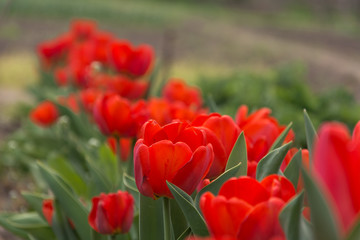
(336, 165)
(48, 210)
(45, 114)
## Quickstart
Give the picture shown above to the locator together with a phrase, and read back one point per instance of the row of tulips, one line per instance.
(141, 166)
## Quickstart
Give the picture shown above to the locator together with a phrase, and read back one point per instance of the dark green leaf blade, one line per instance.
(310, 134)
(238, 155)
(292, 171)
(280, 139)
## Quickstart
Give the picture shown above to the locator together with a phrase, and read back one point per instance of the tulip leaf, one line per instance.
(76, 124)
(290, 217)
(35, 201)
(192, 215)
(26, 224)
(216, 184)
(185, 234)
(354, 233)
(322, 218)
(292, 171)
(238, 155)
(130, 184)
(310, 133)
(71, 205)
(280, 139)
(151, 219)
(61, 225)
(67, 172)
(178, 219)
(270, 164)
(212, 104)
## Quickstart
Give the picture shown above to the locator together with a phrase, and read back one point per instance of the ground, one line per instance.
(192, 45)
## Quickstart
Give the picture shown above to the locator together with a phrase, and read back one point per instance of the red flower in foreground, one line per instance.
(260, 130)
(336, 164)
(45, 114)
(246, 208)
(117, 116)
(48, 210)
(112, 213)
(174, 153)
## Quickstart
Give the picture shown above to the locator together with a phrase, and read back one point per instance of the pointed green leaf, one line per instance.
(71, 205)
(290, 217)
(324, 223)
(192, 215)
(35, 200)
(280, 139)
(178, 219)
(292, 171)
(216, 184)
(310, 134)
(238, 155)
(354, 233)
(151, 219)
(61, 225)
(212, 104)
(270, 164)
(130, 185)
(185, 234)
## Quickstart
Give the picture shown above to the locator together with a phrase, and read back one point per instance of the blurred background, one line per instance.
(286, 55)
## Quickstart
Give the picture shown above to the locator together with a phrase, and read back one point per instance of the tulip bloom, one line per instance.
(260, 130)
(48, 210)
(115, 115)
(176, 153)
(246, 208)
(45, 114)
(177, 90)
(125, 147)
(222, 133)
(336, 165)
(112, 213)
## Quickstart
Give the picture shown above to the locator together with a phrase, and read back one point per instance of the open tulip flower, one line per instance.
(176, 153)
(336, 164)
(112, 213)
(246, 208)
(260, 130)
(117, 116)
(222, 133)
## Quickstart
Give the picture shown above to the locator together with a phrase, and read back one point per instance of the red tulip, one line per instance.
(120, 52)
(222, 133)
(336, 164)
(246, 208)
(112, 213)
(125, 147)
(260, 130)
(45, 114)
(48, 210)
(141, 60)
(83, 29)
(115, 115)
(177, 90)
(88, 98)
(176, 153)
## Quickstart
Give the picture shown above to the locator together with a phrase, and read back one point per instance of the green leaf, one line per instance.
(151, 219)
(310, 134)
(35, 201)
(212, 104)
(216, 184)
(238, 155)
(108, 164)
(25, 224)
(66, 171)
(280, 139)
(71, 205)
(185, 234)
(192, 215)
(178, 219)
(130, 185)
(354, 233)
(292, 171)
(290, 217)
(61, 225)
(322, 218)
(270, 164)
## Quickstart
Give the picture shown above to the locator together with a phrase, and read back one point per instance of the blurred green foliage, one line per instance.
(286, 93)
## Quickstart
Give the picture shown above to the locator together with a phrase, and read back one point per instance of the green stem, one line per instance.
(119, 162)
(167, 218)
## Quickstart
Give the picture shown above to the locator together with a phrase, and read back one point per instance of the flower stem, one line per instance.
(119, 162)
(167, 218)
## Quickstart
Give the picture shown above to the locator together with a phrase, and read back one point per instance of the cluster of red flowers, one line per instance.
(180, 142)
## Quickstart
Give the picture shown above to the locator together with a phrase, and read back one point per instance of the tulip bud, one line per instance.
(112, 213)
